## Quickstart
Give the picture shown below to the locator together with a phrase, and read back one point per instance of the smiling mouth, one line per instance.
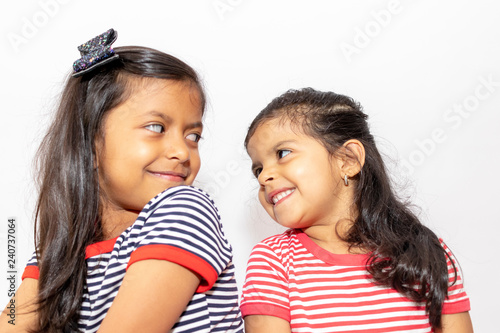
(278, 197)
(171, 176)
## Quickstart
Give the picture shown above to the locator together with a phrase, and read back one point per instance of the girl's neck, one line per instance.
(115, 222)
(331, 239)
(330, 232)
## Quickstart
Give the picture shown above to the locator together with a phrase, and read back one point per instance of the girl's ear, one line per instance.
(351, 158)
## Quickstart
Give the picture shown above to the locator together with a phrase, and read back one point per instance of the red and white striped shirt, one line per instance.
(290, 277)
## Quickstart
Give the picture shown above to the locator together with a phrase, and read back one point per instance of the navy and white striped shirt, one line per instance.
(181, 225)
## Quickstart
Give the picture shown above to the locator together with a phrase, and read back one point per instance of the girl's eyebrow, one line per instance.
(281, 143)
(154, 113)
(254, 165)
(168, 119)
(274, 148)
(197, 124)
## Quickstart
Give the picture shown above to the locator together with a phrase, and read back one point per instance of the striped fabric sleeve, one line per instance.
(31, 271)
(265, 291)
(457, 300)
(182, 225)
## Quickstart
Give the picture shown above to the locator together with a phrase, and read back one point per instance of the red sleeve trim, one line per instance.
(265, 309)
(456, 307)
(31, 272)
(181, 257)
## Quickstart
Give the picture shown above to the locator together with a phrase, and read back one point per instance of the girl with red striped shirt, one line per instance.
(355, 258)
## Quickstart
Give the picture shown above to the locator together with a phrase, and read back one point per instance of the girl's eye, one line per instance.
(156, 128)
(256, 172)
(194, 137)
(283, 152)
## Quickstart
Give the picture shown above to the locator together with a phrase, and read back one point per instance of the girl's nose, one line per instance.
(266, 175)
(176, 148)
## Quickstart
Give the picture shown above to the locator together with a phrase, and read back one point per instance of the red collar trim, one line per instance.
(100, 248)
(328, 257)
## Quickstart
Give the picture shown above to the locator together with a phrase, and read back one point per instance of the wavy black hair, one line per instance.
(404, 252)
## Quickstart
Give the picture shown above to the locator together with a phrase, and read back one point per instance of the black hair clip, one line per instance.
(96, 52)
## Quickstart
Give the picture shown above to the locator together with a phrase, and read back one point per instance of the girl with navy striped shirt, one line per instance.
(124, 243)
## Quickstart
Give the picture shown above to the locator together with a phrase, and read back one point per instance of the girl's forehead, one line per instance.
(140, 88)
(139, 84)
(270, 132)
(282, 125)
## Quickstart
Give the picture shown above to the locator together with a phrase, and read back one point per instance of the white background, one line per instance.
(413, 65)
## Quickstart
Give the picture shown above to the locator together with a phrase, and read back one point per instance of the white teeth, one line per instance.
(281, 195)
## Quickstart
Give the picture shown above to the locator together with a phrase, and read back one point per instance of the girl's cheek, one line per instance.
(300, 171)
(262, 198)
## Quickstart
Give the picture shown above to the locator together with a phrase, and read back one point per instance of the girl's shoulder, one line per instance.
(182, 207)
(183, 190)
(183, 196)
(182, 216)
(450, 258)
(283, 240)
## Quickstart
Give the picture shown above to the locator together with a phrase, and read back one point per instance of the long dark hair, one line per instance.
(68, 211)
(404, 252)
